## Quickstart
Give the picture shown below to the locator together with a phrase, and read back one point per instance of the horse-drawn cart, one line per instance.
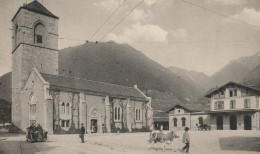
(203, 127)
(36, 135)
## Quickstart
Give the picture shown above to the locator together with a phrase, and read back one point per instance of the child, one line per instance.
(186, 140)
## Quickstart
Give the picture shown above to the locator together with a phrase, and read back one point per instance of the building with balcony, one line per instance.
(234, 106)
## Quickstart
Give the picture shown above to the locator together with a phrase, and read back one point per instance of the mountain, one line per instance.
(6, 87)
(253, 77)
(5, 97)
(196, 78)
(236, 70)
(121, 64)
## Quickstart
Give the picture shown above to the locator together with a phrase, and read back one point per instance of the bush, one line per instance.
(58, 130)
(73, 129)
(122, 130)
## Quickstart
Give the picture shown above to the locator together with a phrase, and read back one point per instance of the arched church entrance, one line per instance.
(94, 120)
(247, 123)
(233, 122)
(220, 123)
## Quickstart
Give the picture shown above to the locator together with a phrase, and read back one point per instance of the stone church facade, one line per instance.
(60, 103)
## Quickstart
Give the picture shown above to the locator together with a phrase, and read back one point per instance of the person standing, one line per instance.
(82, 133)
(186, 140)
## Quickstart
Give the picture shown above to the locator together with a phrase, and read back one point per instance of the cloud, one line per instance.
(250, 16)
(150, 2)
(178, 34)
(229, 2)
(140, 15)
(140, 33)
(108, 5)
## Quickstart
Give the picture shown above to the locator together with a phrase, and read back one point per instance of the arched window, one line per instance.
(175, 122)
(39, 33)
(183, 120)
(200, 120)
(67, 108)
(117, 113)
(63, 108)
(137, 114)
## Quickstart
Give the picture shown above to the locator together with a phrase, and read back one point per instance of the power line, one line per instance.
(107, 20)
(196, 5)
(63, 38)
(122, 20)
(184, 42)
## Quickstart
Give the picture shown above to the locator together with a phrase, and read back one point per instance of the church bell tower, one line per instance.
(34, 44)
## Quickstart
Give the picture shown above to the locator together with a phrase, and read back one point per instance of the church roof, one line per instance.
(95, 87)
(36, 7)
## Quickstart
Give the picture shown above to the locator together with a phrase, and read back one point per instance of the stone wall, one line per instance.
(35, 86)
(26, 55)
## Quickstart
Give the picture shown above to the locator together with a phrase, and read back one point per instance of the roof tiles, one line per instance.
(77, 84)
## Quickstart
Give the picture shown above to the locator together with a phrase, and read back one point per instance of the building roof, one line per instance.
(36, 7)
(188, 108)
(95, 87)
(208, 94)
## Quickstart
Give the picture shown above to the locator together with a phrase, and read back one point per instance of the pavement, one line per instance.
(202, 142)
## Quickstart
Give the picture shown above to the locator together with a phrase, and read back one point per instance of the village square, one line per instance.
(105, 96)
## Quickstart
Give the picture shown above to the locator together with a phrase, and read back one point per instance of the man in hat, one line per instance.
(186, 140)
(82, 133)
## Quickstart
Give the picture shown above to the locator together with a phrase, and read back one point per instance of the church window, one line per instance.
(138, 114)
(63, 123)
(117, 113)
(68, 108)
(67, 123)
(39, 38)
(183, 122)
(39, 33)
(175, 122)
(63, 108)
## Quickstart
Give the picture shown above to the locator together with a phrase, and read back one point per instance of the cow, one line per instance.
(165, 137)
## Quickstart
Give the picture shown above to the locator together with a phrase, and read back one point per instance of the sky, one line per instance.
(198, 35)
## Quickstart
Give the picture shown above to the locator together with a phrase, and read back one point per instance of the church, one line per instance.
(61, 103)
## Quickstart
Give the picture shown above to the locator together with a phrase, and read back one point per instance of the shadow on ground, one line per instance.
(240, 143)
(13, 147)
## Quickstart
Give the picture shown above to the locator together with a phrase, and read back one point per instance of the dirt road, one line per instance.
(202, 142)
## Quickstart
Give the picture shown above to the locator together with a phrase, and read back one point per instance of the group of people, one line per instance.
(34, 128)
